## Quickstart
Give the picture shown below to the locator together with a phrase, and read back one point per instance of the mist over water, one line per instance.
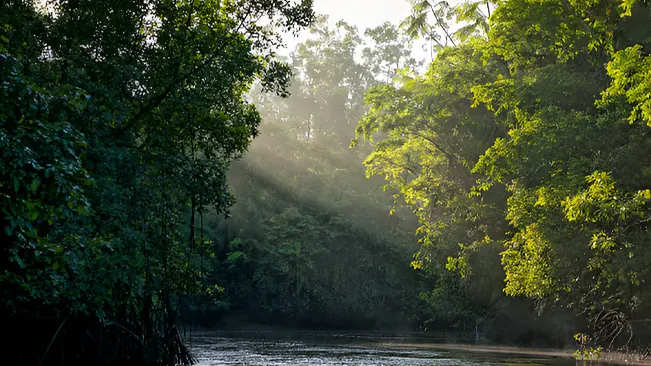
(218, 350)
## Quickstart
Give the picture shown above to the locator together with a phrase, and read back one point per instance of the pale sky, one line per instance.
(362, 14)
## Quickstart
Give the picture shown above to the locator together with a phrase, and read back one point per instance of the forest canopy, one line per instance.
(164, 166)
(530, 135)
(119, 122)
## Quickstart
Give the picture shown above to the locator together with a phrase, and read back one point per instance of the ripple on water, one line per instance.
(214, 351)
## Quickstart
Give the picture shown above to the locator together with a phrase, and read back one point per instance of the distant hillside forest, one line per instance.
(165, 169)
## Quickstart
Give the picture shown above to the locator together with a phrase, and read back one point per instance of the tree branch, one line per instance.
(442, 25)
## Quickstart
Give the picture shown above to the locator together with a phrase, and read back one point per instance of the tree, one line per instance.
(134, 112)
(495, 147)
(578, 200)
(310, 242)
(433, 139)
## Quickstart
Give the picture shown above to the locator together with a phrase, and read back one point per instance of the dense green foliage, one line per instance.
(505, 189)
(532, 140)
(309, 241)
(119, 120)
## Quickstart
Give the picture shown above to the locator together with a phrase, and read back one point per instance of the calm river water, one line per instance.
(212, 350)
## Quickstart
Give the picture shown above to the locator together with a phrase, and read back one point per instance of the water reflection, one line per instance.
(213, 351)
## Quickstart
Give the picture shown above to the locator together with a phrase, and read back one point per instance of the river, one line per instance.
(214, 350)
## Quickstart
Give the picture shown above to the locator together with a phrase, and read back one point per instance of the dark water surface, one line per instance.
(212, 350)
